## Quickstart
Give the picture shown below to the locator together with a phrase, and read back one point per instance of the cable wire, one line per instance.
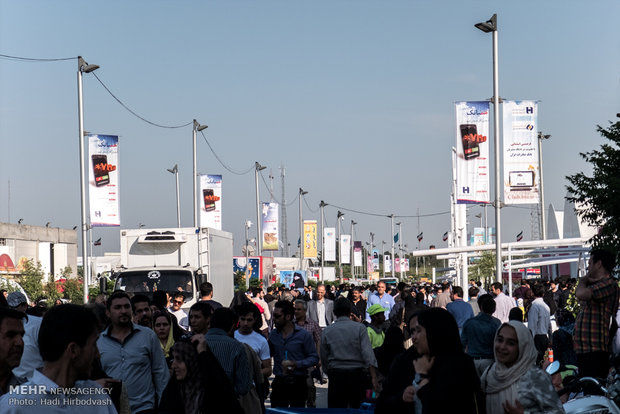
(268, 189)
(310, 208)
(295, 199)
(25, 59)
(134, 113)
(388, 215)
(222, 162)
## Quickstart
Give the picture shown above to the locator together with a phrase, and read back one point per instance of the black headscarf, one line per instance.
(442, 332)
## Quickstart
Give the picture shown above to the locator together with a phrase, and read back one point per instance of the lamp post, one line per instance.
(370, 253)
(322, 206)
(247, 226)
(340, 214)
(400, 249)
(196, 127)
(259, 236)
(391, 216)
(543, 224)
(83, 67)
(175, 170)
(301, 230)
(383, 255)
(490, 26)
(353, 223)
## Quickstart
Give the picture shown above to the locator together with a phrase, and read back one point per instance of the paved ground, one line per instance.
(321, 395)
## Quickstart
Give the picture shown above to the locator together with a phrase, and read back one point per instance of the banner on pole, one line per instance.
(270, 226)
(472, 152)
(329, 237)
(375, 259)
(211, 201)
(103, 189)
(521, 169)
(357, 253)
(310, 239)
(370, 267)
(345, 248)
(387, 263)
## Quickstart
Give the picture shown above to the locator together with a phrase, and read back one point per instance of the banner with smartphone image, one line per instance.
(270, 226)
(345, 248)
(329, 250)
(521, 169)
(310, 239)
(103, 191)
(210, 196)
(472, 152)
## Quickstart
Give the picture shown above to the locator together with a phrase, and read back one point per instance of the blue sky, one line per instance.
(354, 98)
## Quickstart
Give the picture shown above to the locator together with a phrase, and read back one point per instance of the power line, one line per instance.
(134, 113)
(387, 215)
(268, 189)
(222, 162)
(310, 208)
(25, 59)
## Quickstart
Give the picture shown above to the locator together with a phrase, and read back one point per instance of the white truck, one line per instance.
(177, 259)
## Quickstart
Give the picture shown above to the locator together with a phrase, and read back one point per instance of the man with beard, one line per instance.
(142, 314)
(132, 353)
(11, 347)
(68, 346)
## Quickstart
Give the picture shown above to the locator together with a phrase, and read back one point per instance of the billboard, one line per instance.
(310, 239)
(294, 279)
(472, 152)
(210, 196)
(387, 263)
(357, 253)
(329, 249)
(521, 169)
(345, 248)
(270, 226)
(103, 189)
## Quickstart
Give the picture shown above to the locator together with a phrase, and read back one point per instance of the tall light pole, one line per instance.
(383, 255)
(490, 26)
(400, 249)
(175, 170)
(247, 226)
(353, 223)
(83, 67)
(301, 230)
(259, 236)
(322, 206)
(391, 216)
(340, 214)
(196, 127)
(370, 253)
(543, 224)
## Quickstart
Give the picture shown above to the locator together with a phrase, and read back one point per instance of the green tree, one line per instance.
(484, 269)
(31, 279)
(599, 194)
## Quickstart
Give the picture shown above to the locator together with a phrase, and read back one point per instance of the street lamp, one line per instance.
(543, 225)
(400, 248)
(302, 193)
(175, 170)
(247, 226)
(322, 206)
(83, 67)
(490, 26)
(391, 216)
(340, 215)
(353, 223)
(196, 127)
(259, 236)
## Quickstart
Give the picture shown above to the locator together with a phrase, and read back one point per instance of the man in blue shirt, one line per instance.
(458, 308)
(380, 298)
(133, 354)
(293, 351)
(478, 334)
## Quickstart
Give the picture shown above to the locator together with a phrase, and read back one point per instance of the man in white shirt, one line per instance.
(177, 301)
(249, 319)
(321, 310)
(504, 303)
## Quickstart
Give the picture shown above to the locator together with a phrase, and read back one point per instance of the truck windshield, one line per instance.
(149, 281)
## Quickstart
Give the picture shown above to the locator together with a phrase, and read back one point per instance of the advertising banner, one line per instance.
(357, 253)
(310, 239)
(253, 269)
(387, 263)
(210, 196)
(406, 265)
(370, 267)
(472, 152)
(345, 248)
(478, 236)
(521, 169)
(375, 259)
(294, 279)
(397, 264)
(329, 250)
(103, 190)
(270, 226)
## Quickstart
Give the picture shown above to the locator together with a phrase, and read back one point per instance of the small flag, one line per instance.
(445, 236)
(520, 236)
(97, 242)
(420, 236)
(396, 238)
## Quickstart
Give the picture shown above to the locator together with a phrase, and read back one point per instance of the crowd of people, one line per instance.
(410, 348)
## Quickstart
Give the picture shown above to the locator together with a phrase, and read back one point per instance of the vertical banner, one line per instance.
(521, 169)
(310, 239)
(357, 253)
(478, 236)
(345, 249)
(387, 263)
(370, 267)
(472, 152)
(211, 201)
(103, 190)
(375, 259)
(329, 237)
(406, 264)
(270, 226)
(397, 264)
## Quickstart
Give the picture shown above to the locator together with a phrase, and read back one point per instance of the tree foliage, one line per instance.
(599, 194)
(31, 280)
(484, 268)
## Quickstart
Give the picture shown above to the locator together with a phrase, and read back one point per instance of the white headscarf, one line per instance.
(499, 382)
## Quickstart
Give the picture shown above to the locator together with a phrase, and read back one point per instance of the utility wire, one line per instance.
(222, 162)
(310, 208)
(25, 59)
(387, 215)
(268, 189)
(134, 113)
(295, 199)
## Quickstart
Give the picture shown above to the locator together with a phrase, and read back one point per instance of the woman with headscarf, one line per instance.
(446, 380)
(514, 384)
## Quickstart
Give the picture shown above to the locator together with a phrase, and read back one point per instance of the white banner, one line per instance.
(357, 253)
(521, 169)
(329, 238)
(387, 263)
(472, 152)
(345, 248)
(211, 201)
(270, 226)
(103, 189)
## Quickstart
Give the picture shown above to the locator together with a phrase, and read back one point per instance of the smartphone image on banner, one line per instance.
(100, 164)
(471, 149)
(209, 199)
(521, 180)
